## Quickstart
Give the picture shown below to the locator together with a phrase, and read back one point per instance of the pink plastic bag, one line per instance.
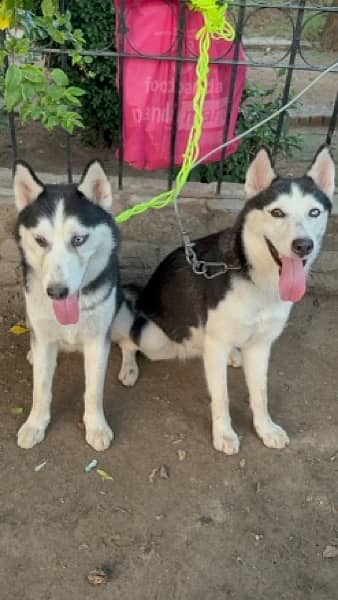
(148, 100)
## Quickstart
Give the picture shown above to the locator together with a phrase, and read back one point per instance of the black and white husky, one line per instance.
(68, 243)
(271, 248)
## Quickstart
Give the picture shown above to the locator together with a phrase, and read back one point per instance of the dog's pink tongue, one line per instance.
(67, 311)
(292, 280)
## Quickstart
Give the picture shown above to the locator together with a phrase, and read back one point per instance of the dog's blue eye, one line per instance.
(314, 212)
(277, 213)
(78, 240)
(41, 241)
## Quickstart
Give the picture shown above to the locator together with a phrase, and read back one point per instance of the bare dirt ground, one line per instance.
(250, 526)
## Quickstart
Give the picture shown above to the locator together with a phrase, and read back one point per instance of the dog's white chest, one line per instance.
(247, 313)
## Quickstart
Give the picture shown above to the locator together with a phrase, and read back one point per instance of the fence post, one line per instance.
(293, 52)
(69, 151)
(11, 116)
(121, 31)
(234, 69)
(333, 122)
(178, 68)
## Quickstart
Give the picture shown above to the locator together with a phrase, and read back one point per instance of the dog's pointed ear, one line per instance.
(260, 173)
(322, 171)
(27, 186)
(95, 185)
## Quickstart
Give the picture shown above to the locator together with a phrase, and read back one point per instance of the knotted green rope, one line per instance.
(215, 26)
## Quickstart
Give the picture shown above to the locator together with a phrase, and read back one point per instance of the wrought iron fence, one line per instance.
(292, 17)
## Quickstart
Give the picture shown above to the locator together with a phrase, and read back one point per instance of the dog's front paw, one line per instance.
(273, 436)
(225, 440)
(30, 434)
(128, 375)
(99, 438)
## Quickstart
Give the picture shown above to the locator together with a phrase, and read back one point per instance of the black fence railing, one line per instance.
(291, 17)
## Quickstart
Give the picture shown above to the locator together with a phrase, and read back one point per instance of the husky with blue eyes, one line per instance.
(68, 243)
(236, 316)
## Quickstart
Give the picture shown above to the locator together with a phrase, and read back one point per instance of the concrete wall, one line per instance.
(148, 237)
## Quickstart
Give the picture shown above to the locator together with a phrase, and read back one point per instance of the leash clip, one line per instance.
(202, 267)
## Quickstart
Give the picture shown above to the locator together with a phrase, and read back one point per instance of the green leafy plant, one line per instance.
(313, 27)
(96, 19)
(34, 90)
(257, 104)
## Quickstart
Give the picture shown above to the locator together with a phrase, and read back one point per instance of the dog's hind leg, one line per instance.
(235, 358)
(129, 371)
(145, 336)
(255, 363)
(122, 324)
(44, 361)
(98, 433)
(152, 341)
(215, 363)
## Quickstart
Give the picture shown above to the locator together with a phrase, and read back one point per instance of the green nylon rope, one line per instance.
(215, 26)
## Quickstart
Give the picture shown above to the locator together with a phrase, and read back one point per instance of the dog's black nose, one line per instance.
(57, 292)
(302, 246)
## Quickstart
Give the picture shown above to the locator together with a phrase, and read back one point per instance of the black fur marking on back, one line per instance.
(176, 299)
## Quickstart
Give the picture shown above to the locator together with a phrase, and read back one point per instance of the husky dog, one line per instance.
(68, 243)
(269, 251)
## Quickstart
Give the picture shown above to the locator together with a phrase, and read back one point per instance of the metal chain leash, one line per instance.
(200, 267)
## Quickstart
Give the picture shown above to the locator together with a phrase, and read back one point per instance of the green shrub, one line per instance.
(257, 104)
(35, 91)
(96, 19)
